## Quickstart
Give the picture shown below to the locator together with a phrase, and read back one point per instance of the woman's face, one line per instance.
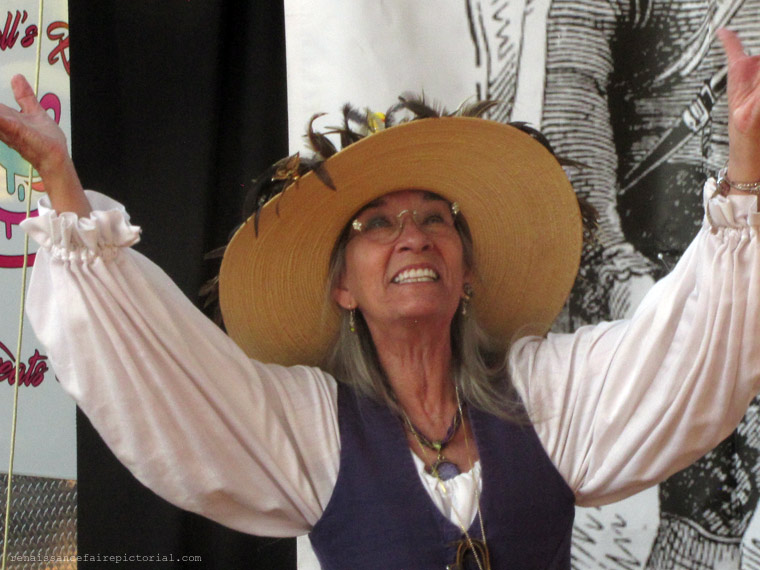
(402, 266)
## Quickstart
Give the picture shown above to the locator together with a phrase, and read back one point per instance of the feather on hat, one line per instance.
(526, 223)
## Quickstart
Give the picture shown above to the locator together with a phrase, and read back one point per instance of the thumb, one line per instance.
(731, 44)
(24, 94)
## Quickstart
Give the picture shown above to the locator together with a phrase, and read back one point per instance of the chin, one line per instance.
(433, 315)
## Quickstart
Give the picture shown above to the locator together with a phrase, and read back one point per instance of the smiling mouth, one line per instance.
(416, 276)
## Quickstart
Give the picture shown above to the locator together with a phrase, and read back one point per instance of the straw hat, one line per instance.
(522, 212)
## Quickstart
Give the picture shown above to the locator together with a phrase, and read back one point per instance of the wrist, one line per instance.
(743, 164)
(728, 184)
(63, 187)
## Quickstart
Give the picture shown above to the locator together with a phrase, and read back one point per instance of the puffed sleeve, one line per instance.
(621, 406)
(250, 445)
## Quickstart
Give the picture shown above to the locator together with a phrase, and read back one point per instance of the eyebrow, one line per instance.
(427, 195)
(377, 202)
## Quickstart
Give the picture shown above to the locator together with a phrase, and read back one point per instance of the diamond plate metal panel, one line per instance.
(43, 527)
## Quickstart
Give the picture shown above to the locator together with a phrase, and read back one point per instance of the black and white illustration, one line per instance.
(636, 91)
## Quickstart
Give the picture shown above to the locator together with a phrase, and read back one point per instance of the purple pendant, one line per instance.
(445, 470)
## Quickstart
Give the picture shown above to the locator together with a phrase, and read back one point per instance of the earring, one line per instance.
(467, 293)
(351, 321)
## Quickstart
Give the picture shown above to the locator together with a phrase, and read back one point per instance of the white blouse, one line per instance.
(254, 446)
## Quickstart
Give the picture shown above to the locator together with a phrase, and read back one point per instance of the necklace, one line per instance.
(441, 468)
(468, 548)
(478, 548)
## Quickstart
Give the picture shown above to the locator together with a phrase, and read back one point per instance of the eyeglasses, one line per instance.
(434, 218)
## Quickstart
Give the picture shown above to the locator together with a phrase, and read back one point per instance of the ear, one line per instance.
(342, 295)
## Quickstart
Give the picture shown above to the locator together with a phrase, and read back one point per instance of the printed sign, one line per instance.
(46, 430)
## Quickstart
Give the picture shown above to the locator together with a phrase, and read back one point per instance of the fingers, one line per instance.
(732, 45)
(24, 94)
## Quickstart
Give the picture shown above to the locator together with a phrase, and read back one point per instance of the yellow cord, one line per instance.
(24, 268)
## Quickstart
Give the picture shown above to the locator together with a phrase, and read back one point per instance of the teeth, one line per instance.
(416, 276)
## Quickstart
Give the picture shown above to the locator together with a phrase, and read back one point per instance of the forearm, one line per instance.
(62, 185)
(744, 157)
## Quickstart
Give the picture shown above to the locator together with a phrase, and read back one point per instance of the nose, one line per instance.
(410, 235)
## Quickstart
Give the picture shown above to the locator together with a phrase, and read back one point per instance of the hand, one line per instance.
(743, 109)
(37, 137)
(31, 132)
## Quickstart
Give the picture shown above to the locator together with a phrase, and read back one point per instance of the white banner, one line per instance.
(559, 65)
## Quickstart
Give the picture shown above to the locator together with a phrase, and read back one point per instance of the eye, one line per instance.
(433, 218)
(378, 222)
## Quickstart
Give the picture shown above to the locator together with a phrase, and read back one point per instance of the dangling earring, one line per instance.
(467, 293)
(351, 321)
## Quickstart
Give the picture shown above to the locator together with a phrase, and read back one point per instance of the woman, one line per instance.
(285, 451)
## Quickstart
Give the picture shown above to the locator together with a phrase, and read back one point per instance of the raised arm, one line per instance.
(250, 445)
(623, 405)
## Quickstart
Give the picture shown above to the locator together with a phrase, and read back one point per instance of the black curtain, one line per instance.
(176, 104)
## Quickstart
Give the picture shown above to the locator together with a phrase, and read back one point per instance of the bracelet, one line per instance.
(725, 184)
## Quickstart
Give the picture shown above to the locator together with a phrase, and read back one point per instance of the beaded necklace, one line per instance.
(441, 467)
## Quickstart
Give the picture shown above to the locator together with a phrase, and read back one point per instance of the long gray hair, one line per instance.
(478, 366)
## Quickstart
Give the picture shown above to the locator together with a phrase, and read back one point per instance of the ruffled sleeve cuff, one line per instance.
(734, 211)
(70, 238)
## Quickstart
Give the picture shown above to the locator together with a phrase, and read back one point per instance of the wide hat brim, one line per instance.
(520, 207)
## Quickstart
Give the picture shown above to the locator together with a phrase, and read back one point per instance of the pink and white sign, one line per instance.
(46, 429)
